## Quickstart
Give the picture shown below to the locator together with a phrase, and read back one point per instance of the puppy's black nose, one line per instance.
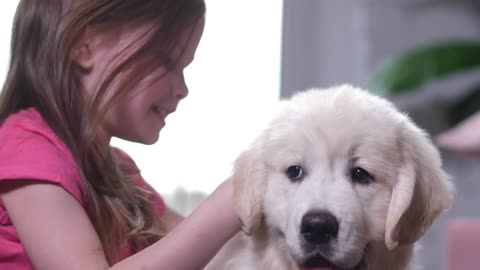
(319, 227)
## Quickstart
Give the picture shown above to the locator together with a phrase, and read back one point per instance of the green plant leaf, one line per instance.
(414, 68)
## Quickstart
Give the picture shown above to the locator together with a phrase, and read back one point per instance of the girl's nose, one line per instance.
(180, 89)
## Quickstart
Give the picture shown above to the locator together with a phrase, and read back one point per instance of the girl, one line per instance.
(81, 72)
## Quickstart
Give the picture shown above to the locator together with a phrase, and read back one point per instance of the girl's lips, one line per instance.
(158, 111)
(163, 111)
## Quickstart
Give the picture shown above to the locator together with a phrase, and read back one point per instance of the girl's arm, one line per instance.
(57, 233)
(171, 218)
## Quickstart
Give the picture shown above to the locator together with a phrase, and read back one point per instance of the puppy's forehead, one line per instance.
(324, 127)
(337, 116)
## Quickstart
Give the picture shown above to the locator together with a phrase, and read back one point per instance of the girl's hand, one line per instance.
(196, 240)
(463, 138)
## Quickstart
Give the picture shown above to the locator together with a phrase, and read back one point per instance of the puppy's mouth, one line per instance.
(319, 262)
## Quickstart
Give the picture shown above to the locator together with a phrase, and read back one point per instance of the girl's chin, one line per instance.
(151, 139)
(147, 139)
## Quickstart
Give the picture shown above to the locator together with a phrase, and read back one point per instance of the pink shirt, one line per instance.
(30, 150)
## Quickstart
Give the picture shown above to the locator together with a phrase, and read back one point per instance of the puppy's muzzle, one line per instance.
(319, 228)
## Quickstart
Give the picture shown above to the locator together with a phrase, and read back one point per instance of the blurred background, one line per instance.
(422, 54)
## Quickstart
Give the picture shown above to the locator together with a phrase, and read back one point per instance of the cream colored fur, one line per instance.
(328, 132)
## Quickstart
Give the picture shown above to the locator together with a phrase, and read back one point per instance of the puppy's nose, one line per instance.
(319, 227)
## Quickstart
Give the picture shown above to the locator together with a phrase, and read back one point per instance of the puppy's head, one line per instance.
(335, 170)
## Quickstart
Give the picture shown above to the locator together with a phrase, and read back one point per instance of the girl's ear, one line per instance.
(82, 53)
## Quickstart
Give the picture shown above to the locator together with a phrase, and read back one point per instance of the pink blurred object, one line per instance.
(463, 244)
(463, 138)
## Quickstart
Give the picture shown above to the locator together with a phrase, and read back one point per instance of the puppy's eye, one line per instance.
(295, 172)
(361, 176)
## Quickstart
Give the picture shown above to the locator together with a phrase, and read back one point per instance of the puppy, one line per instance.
(338, 180)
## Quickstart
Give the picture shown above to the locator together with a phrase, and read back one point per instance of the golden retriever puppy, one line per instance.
(339, 180)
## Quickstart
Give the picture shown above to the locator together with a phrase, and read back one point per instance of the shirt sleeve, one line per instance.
(25, 154)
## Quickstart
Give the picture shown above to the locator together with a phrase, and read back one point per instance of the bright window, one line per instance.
(6, 17)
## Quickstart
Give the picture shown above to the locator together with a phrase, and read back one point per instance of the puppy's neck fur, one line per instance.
(379, 257)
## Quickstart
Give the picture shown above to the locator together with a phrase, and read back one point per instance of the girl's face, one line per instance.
(141, 115)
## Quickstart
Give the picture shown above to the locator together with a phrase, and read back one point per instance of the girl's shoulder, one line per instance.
(26, 119)
(27, 124)
(29, 149)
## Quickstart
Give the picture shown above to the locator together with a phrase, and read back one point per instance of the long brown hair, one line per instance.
(42, 75)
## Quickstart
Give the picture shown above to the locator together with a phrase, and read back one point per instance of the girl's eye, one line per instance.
(361, 176)
(295, 173)
(170, 64)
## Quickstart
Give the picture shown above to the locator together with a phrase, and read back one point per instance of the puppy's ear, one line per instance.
(422, 190)
(249, 177)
